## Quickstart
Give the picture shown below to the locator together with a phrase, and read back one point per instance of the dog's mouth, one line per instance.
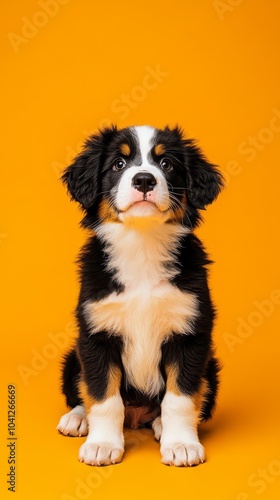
(146, 209)
(144, 203)
(141, 204)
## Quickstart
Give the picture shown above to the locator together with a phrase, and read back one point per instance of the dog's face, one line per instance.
(142, 174)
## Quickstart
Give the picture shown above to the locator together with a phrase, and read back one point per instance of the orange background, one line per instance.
(218, 77)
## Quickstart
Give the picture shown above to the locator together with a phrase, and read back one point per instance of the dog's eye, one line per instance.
(166, 165)
(119, 164)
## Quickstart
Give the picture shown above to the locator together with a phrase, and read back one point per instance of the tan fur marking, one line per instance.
(159, 149)
(199, 396)
(179, 211)
(172, 386)
(106, 212)
(88, 400)
(125, 149)
(114, 382)
(171, 382)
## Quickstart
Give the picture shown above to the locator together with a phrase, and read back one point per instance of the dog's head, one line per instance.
(142, 174)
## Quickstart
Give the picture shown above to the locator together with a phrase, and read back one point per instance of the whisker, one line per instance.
(110, 201)
(104, 192)
(177, 204)
(176, 187)
(191, 226)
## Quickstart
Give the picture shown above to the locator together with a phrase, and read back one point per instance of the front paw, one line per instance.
(182, 454)
(100, 454)
(73, 424)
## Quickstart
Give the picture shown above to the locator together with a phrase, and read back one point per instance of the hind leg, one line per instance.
(73, 423)
(157, 428)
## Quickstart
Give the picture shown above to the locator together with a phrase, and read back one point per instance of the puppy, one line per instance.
(144, 353)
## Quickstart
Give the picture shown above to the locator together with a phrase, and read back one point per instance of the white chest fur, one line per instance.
(149, 309)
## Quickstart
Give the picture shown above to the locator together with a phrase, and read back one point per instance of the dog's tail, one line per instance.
(212, 378)
(71, 371)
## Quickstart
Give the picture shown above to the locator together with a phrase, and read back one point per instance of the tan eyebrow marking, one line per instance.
(125, 149)
(159, 149)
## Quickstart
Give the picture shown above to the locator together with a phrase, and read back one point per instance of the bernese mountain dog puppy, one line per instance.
(144, 354)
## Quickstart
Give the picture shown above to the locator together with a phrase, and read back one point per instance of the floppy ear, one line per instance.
(204, 180)
(82, 176)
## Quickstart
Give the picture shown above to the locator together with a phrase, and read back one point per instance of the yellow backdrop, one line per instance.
(69, 67)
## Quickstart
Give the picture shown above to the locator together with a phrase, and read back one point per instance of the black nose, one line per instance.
(144, 182)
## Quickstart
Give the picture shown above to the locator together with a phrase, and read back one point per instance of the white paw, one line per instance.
(74, 423)
(182, 454)
(100, 454)
(157, 428)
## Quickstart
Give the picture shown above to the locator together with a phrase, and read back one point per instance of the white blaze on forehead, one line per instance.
(126, 195)
(145, 136)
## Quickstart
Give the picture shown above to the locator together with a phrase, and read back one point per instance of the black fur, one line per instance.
(90, 174)
(211, 375)
(87, 179)
(70, 378)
